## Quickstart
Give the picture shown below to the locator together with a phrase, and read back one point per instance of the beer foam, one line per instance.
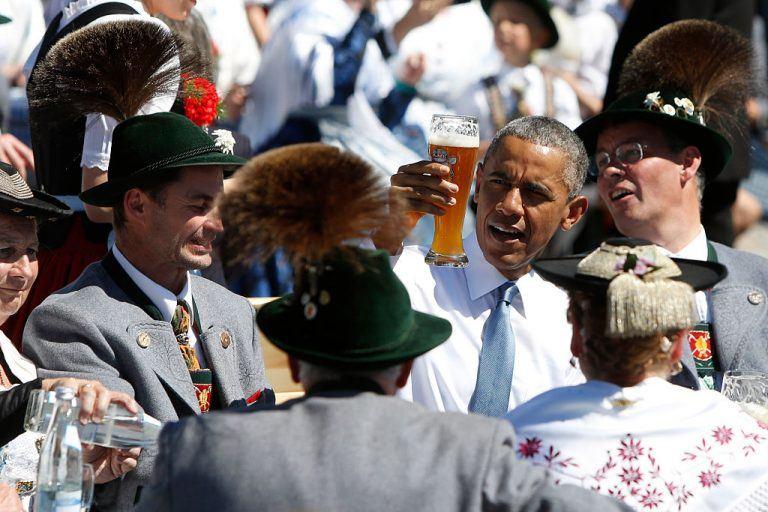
(456, 140)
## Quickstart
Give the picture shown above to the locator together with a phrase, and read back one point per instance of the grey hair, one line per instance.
(701, 182)
(551, 133)
(312, 374)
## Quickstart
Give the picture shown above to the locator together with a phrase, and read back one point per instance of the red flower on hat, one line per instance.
(201, 101)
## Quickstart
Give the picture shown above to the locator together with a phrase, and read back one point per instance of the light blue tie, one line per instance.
(497, 359)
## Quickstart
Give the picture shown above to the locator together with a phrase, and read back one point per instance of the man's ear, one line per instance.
(574, 211)
(691, 163)
(677, 345)
(478, 179)
(405, 372)
(134, 205)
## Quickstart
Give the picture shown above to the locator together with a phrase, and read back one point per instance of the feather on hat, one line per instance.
(308, 199)
(110, 68)
(707, 61)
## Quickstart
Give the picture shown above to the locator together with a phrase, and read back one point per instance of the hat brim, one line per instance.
(701, 275)
(282, 322)
(541, 12)
(715, 149)
(41, 206)
(109, 193)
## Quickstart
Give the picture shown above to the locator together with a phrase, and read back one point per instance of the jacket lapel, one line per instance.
(161, 351)
(220, 353)
(155, 336)
(735, 319)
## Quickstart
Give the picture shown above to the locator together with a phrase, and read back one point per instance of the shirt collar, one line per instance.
(696, 250)
(164, 299)
(484, 278)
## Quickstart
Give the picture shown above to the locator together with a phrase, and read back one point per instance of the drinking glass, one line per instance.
(86, 499)
(453, 141)
(39, 411)
(749, 389)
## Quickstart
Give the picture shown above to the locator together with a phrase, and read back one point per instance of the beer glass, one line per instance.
(453, 141)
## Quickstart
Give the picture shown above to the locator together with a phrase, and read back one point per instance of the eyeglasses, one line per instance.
(627, 153)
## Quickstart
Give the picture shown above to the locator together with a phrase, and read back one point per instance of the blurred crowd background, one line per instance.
(367, 76)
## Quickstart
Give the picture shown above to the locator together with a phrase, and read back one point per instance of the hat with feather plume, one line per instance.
(691, 77)
(347, 308)
(647, 292)
(119, 69)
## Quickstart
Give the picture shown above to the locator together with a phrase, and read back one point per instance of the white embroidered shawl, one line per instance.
(656, 446)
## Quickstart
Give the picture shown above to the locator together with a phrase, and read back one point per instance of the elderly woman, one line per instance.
(628, 432)
(20, 210)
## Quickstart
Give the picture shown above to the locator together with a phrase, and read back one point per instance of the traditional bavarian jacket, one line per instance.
(656, 446)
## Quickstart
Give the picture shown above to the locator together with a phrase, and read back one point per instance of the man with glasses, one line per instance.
(654, 153)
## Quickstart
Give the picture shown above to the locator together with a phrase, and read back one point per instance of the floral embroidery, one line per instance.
(710, 478)
(529, 448)
(651, 498)
(723, 435)
(630, 449)
(631, 472)
(631, 475)
(553, 457)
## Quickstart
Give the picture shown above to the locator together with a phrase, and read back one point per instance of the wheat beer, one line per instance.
(453, 141)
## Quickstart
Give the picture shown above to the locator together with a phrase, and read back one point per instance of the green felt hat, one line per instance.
(669, 109)
(144, 147)
(541, 8)
(351, 311)
(18, 198)
(4, 19)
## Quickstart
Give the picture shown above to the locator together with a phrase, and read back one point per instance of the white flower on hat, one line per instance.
(669, 109)
(652, 100)
(686, 104)
(225, 141)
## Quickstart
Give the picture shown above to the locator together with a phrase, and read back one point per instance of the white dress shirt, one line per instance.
(164, 299)
(444, 378)
(696, 250)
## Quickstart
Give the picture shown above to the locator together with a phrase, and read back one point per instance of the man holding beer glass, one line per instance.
(510, 337)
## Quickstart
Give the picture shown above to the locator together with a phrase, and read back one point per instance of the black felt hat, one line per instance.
(17, 198)
(565, 273)
(541, 8)
(665, 108)
(146, 147)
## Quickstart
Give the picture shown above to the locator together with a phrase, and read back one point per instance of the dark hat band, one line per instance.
(165, 162)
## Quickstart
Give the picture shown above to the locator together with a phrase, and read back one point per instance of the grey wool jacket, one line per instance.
(94, 329)
(739, 305)
(351, 450)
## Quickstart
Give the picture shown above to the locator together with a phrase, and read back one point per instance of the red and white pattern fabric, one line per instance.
(655, 446)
